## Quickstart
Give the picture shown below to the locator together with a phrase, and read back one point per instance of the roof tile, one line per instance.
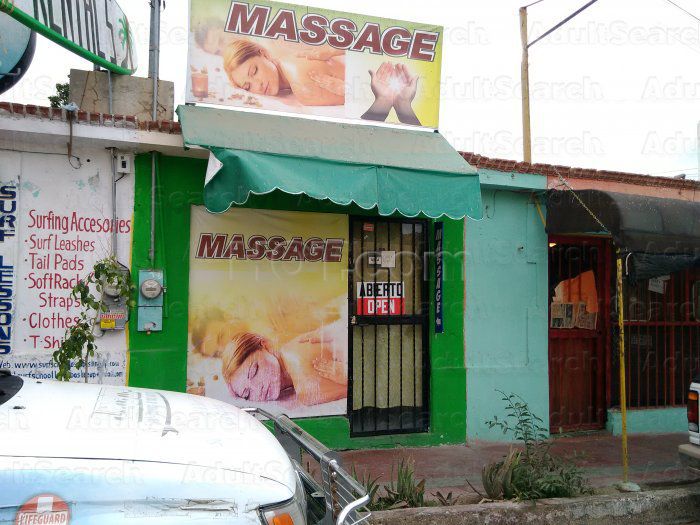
(552, 170)
(85, 117)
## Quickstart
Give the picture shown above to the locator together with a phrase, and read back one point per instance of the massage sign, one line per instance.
(274, 248)
(285, 57)
(339, 32)
(268, 309)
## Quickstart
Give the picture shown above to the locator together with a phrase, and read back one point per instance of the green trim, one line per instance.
(159, 360)
(35, 25)
(414, 173)
(512, 181)
(432, 194)
(417, 150)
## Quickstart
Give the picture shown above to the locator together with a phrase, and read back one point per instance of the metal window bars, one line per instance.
(389, 331)
(662, 338)
(345, 499)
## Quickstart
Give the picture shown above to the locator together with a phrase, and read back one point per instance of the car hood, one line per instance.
(65, 420)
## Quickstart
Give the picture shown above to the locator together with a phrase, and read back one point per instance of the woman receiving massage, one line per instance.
(314, 75)
(308, 366)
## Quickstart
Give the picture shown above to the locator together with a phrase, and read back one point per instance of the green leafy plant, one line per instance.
(403, 490)
(532, 472)
(497, 477)
(406, 491)
(61, 96)
(371, 486)
(79, 345)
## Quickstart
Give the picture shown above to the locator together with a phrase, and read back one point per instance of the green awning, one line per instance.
(412, 172)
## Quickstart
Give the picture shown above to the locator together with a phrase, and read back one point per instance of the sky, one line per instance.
(617, 88)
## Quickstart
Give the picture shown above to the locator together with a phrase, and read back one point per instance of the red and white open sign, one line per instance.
(381, 298)
(45, 509)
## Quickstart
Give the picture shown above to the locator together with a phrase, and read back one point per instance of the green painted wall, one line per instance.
(159, 360)
(506, 328)
(649, 421)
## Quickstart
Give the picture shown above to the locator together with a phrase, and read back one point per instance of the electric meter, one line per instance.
(150, 288)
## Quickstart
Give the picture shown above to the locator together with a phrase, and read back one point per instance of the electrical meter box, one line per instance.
(151, 291)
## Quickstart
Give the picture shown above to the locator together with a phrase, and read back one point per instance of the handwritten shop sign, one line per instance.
(8, 262)
(54, 226)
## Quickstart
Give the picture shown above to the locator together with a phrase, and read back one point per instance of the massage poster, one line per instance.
(268, 320)
(284, 57)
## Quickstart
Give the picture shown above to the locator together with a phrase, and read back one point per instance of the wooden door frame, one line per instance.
(603, 382)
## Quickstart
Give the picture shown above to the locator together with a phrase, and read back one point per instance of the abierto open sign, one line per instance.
(381, 298)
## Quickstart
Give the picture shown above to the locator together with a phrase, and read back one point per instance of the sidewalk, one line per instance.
(653, 461)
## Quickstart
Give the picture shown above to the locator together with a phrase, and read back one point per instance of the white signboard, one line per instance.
(64, 225)
(96, 31)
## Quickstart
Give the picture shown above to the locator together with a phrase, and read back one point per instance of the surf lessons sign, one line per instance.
(96, 30)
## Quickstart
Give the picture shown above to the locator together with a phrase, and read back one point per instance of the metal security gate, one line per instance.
(389, 376)
(662, 340)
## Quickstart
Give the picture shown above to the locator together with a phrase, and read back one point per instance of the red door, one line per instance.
(579, 291)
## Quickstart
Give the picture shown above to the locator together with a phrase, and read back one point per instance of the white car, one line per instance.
(90, 454)
(690, 453)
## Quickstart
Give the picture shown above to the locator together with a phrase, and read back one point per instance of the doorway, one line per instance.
(579, 299)
(388, 332)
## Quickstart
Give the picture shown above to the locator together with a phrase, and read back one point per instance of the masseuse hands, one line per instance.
(408, 86)
(328, 82)
(393, 85)
(332, 364)
(320, 53)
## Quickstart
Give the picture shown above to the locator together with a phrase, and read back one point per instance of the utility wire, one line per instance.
(566, 184)
(674, 171)
(533, 3)
(672, 37)
(684, 10)
(572, 15)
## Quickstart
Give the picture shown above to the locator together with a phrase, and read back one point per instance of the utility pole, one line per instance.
(525, 69)
(154, 53)
(153, 73)
(525, 86)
